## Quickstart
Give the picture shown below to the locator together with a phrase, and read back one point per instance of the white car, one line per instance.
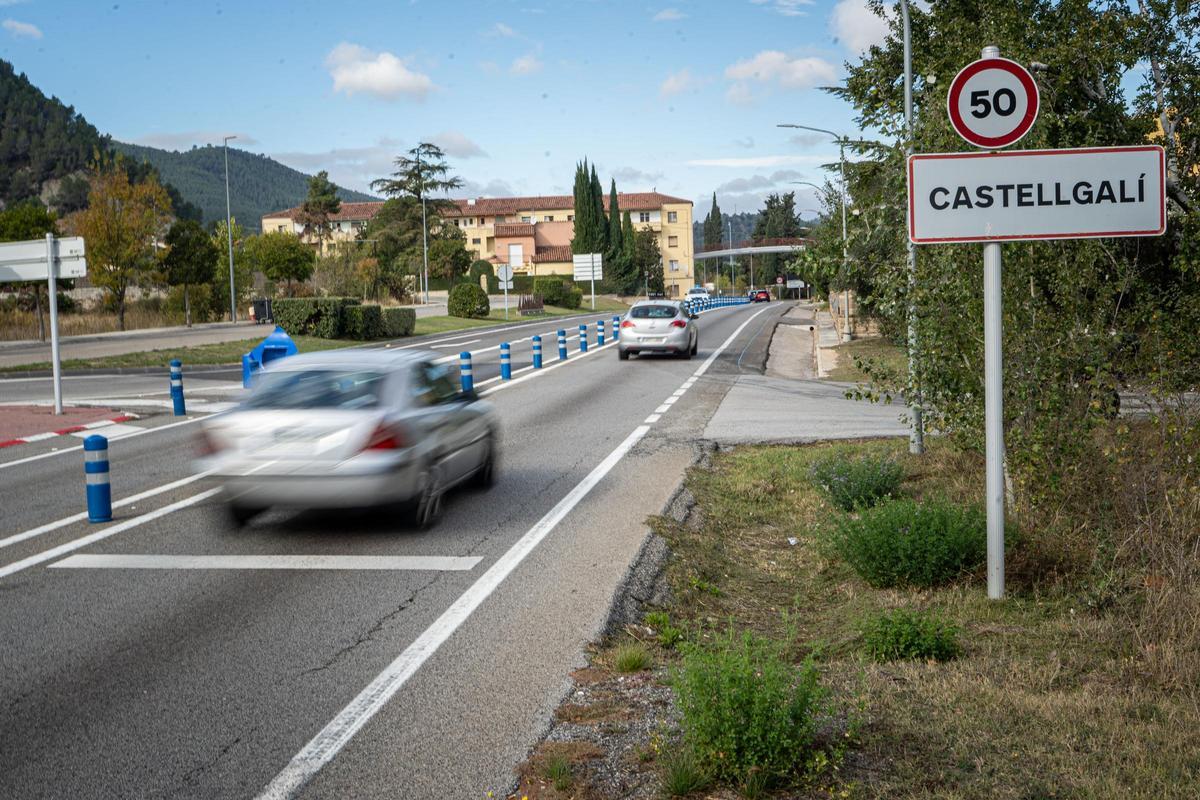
(697, 293)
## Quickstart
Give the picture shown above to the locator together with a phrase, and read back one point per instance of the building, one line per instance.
(533, 234)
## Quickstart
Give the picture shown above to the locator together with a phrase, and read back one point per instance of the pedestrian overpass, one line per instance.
(752, 247)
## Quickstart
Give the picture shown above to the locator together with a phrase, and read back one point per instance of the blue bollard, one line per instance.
(95, 470)
(562, 345)
(599, 333)
(616, 323)
(464, 372)
(537, 352)
(177, 387)
(505, 361)
(583, 338)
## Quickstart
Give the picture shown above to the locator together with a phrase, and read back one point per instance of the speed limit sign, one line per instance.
(993, 102)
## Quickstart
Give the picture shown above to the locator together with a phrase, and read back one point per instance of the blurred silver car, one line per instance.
(351, 429)
(658, 326)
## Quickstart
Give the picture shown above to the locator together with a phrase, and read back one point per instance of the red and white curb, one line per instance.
(87, 426)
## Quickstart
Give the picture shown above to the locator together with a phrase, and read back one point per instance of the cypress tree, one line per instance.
(628, 246)
(615, 242)
(713, 225)
(600, 235)
(584, 211)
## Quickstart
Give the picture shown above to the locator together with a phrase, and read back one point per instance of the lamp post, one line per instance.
(845, 250)
(229, 235)
(916, 437)
(424, 228)
(731, 253)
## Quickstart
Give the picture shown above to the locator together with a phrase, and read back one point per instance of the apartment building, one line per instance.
(533, 234)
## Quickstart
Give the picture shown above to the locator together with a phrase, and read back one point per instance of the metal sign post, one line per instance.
(55, 362)
(589, 266)
(505, 274)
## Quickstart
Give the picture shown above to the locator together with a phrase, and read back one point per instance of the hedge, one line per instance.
(399, 322)
(551, 288)
(572, 298)
(363, 323)
(313, 316)
(468, 300)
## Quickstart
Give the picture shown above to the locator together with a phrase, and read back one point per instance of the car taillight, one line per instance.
(678, 324)
(385, 438)
(627, 324)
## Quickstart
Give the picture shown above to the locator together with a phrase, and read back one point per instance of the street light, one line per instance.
(229, 235)
(424, 228)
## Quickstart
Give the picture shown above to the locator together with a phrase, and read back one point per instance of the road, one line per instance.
(413, 679)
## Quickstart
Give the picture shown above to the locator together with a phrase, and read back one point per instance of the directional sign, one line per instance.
(992, 102)
(1037, 194)
(26, 261)
(588, 266)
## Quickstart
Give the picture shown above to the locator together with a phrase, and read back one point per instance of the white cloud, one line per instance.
(678, 82)
(669, 15)
(525, 65)
(758, 182)
(493, 188)
(182, 140)
(500, 29)
(757, 161)
(855, 25)
(788, 8)
(739, 94)
(457, 145)
(790, 73)
(632, 175)
(807, 139)
(356, 69)
(747, 143)
(352, 167)
(22, 29)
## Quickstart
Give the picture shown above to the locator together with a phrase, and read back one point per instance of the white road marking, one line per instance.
(39, 457)
(653, 418)
(454, 344)
(664, 408)
(331, 739)
(575, 357)
(118, 561)
(112, 530)
(114, 431)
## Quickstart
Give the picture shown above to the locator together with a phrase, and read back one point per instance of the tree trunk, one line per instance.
(187, 306)
(37, 300)
(121, 311)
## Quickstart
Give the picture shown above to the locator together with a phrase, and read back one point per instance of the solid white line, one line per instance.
(334, 736)
(69, 547)
(117, 561)
(454, 344)
(60, 523)
(20, 461)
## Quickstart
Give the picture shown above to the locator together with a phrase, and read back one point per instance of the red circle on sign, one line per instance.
(1031, 108)
(779, 279)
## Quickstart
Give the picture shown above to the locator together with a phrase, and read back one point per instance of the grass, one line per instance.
(1050, 695)
(195, 355)
(683, 774)
(876, 349)
(557, 770)
(21, 325)
(633, 657)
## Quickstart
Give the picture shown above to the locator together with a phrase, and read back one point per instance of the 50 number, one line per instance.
(1002, 101)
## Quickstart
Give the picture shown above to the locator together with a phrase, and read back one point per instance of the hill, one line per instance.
(257, 184)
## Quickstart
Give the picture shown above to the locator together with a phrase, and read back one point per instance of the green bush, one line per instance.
(468, 300)
(906, 543)
(747, 709)
(551, 289)
(480, 268)
(313, 316)
(399, 322)
(572, 298)
(363, 323)
(522, 284)
(856, 483)
(902, 635)
(293, 314)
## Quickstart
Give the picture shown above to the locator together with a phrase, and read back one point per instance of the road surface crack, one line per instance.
(196, 772)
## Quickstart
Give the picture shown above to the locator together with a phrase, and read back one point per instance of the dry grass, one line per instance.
(21, 325)
(875, 349)
(540, 777)
(1083, 683)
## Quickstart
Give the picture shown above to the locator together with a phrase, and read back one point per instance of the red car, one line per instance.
(762, 296)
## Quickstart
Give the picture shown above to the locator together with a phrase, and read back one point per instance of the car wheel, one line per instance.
(696, 345)
(427, 507)
(485, 476)
(622, 354)
(240, 513)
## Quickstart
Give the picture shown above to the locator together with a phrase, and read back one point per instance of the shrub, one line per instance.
(746, 708)
(572, 298)
(631, 658)
(469, 301)
(906, 543)
(363, 323)
(902, 634)
(293, 314)
(399, 322)
(313, 316)
(856, 483)
(667, 634)
(551, 289)
(480, 268)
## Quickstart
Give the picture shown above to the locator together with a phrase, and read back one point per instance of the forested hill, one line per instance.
(257, 184)
(743, 227)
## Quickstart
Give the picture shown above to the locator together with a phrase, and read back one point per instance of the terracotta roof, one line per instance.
(348, 212)
(514, 229)
(554, 253)
(491, 206)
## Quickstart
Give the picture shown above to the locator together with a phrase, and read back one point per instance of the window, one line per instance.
(643, 216)
(475, 241)
(548, 218)
(526, 219)
(481, 220)
(468, 222)
(672, 216)
(674, 265)
(457, 223)
(570, 217)
(654, 312)
(317, 388)
(672, 241)
(430, 385)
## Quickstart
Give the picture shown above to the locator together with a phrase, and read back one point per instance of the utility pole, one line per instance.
(424, 224)
(229, 235)
(916, 437)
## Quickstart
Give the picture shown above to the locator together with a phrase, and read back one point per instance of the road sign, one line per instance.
(26, 261)
(506, 284)
(504, 272)
(993, 102)
(1037, 194)
(588, 266)
(795, 284)
(779, 279)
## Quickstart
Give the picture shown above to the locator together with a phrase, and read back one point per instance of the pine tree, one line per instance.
(713, 225)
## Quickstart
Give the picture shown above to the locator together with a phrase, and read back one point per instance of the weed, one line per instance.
(907, 543)
(701, 585)
(557, 770)
(683, 773)
(667, 634)
(901, 635)
(856, 483)
(631, 658)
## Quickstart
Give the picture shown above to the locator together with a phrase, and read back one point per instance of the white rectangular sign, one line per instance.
(588, 266)
(795, 284)
(26, 261)
(1037, 194)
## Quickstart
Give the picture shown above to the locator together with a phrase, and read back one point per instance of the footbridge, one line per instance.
(752, 247)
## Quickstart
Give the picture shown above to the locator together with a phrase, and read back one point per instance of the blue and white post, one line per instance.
(616, 328)
(599, 333)
(562, 345)
(95, 471)
(177, 387)
(505, 361)
(583, 338)
(464, 371)
(537, 352)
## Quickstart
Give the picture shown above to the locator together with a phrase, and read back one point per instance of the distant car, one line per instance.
(761, 296)
(697, 293)
(351, 429)
(658, 326)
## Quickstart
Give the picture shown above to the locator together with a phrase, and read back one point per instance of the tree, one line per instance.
(394, 239)
(281, 256)
(321, 204)
(777, 220)
(191, 260)
(121, 225)
(243, 272)
(21, 223)
(448, 255)
(591, 227)
(714, 226)
(597, 192)
(633, 275)
(420, 173)
(647, 260)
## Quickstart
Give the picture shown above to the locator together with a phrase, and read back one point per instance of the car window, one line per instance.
(653, 312)
(317, 388)
(431, 384)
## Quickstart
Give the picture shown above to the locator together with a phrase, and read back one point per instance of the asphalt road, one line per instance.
(213, 682)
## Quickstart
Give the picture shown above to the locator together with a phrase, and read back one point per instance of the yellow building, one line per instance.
(533, 234)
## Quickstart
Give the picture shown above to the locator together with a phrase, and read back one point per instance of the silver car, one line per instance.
(658, 326)
(351, 429)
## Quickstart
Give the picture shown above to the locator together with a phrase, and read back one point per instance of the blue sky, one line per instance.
(679, 95)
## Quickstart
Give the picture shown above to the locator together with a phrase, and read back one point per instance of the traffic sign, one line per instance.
(1037, 194)
(779, 279)
(993, 102)
(504, 272)
(588, 266)
(27, 261)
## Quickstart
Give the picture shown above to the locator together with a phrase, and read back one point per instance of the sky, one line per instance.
(679, 96)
